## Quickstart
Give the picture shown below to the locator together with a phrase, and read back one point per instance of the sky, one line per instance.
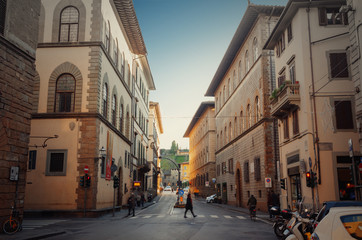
(186, 41)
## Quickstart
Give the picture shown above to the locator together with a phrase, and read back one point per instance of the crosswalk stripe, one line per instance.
(240, 217)
(214, 216)
(226, 216)
(147, 216)
(201, 216)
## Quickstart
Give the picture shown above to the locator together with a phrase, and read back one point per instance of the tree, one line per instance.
(174, 148)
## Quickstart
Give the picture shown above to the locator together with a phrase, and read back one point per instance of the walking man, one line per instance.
(189, 205)
(131, 204)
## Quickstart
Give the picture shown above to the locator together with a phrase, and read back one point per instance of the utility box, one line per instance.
(14, 174)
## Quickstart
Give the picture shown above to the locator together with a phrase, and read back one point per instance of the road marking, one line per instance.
(134, 217)
(240, 217)
(214, 216)
(201, 216)
(161, 216)
(147, 216)
(227, 216)
(33, 224)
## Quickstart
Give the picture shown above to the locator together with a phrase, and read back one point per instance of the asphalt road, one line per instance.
(161, 221)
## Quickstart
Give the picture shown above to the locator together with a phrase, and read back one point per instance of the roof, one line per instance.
(247, 22)
(202, 108)
(288, 14)
(129, 20)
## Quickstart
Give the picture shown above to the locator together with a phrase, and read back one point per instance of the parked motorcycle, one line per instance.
(302, 226)
(281, 220)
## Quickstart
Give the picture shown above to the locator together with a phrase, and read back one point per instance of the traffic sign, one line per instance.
(181, 192)
(350, 147)
(86, 169)
(268, 183)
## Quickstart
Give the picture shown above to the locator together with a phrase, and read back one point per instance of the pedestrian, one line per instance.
(142, 199)
(189, 206)
(138, 200)
(131, 204)
(252, 203)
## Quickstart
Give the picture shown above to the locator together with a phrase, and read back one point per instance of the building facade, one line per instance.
(314, 102)
(201, 133)
(92, 71)
(246, 153)
(18, 41)
(155, 128)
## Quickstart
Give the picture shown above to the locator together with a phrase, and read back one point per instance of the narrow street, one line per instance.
(158, 221)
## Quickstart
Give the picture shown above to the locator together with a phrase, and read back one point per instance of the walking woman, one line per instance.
(189, 205)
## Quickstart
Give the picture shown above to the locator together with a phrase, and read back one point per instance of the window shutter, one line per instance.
(344, 116)
(322, 17)
(345, 18)
(2, 15)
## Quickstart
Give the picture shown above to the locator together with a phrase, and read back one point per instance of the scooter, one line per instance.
(281, 220)
(302, 228)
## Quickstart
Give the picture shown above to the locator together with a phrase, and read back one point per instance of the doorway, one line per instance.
(238, 188)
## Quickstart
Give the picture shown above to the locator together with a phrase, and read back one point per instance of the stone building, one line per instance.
(314, 102)
(201, 134)
(246, 150)
(18, 41)
(155, 128)
(93, 79)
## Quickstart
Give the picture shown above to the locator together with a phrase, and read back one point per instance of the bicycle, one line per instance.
(12, 225)
(252, 213)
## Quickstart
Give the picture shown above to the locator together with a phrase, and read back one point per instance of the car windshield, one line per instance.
(353, 225)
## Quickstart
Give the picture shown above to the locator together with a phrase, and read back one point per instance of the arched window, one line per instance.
(121, 118)
(247, 63)
(255, 50)
(241, 122)
(114, 111)
(217, 104)
(116, 53)
(234, 81)
(248, 115)
(128, 120)
(239, 71)
(257, 109)
(105, 100)
(221, 140)
(230, 132)
(65, 93)
(107, 37)
(69, 23)
(235, 127)
(226, 135)
(220, 99)
(224, 93)
(229, 88)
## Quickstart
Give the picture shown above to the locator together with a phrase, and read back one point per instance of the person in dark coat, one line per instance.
(252, 203)
(189, 206)
(142, 199)
(131, 204)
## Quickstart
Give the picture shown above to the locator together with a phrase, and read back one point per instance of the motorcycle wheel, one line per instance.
(279, 229)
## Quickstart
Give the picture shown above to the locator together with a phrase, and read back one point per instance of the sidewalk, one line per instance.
(42, 228)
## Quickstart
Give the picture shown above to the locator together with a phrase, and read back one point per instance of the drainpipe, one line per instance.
(314, 114)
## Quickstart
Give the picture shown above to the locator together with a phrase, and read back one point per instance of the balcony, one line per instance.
(285, 100)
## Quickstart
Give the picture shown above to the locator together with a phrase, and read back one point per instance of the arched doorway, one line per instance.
(120, 188)
(238, 188)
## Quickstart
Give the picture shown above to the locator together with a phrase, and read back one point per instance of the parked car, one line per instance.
(168, 188)
(211, 199)
(340, 223)
(332, 204)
